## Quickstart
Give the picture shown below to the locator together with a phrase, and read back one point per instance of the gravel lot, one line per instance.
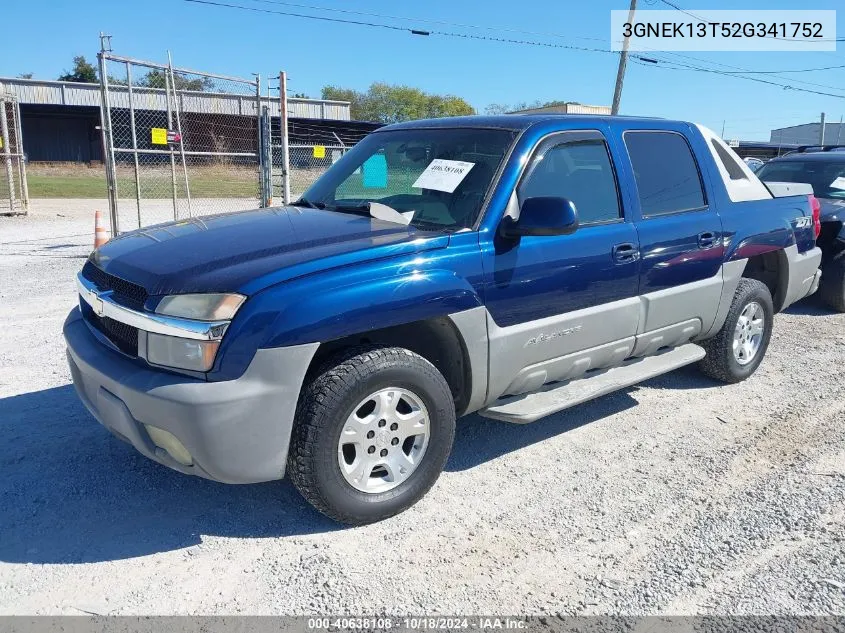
(678, 496)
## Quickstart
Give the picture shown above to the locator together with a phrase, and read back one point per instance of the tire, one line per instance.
(832, 285)
(330, 475)
(722, 362)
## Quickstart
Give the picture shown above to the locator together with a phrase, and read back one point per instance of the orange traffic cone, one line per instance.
(101, 235)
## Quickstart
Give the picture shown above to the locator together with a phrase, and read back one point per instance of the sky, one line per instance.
(47, 34)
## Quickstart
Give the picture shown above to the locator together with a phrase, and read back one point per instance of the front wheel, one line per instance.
(372, 433)
(738, 349)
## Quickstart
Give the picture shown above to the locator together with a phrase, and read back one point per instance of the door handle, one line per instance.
(706, 239)
(625, 253)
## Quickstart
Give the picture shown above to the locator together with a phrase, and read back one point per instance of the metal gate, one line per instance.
(179, 143)
(14, 196)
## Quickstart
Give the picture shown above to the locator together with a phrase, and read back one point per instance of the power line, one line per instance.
(681, 66)
(741, 70)
(302, 15)
(428, 21)
(393, 27)
(775, 72)
(741, 74)
(774, 37)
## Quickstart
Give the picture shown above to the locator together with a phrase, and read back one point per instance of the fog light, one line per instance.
(168, 442)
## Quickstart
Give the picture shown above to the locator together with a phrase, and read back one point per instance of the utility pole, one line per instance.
(723, 128)
(623, 61)
(839, 130)
(821, 131)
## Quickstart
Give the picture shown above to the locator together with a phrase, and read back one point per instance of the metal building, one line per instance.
(809, 134)
(60, 119)
(567, 108)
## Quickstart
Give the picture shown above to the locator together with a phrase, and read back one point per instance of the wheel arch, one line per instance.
(444, 341)
(772, 270)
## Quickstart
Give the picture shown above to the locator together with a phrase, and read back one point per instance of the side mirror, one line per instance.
(542, 216)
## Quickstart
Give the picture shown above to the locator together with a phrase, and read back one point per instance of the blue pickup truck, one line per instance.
(511, 266)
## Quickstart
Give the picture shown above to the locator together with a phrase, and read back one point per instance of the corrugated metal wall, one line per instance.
(57, 134)
(30, 91)
(808, 134)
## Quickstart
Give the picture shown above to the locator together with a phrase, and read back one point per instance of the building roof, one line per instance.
(507, 121)
(68, 93)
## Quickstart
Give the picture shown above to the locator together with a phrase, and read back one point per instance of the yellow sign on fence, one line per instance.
(159, 135)
(319, 151)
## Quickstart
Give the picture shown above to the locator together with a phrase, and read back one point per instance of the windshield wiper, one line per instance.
(304, 202)
(357, 209)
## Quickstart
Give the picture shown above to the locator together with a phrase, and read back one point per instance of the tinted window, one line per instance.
(666, 172)
(826, 178)
(729, 162)
(578, 170)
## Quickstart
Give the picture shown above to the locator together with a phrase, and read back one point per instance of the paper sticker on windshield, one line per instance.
(443, 175)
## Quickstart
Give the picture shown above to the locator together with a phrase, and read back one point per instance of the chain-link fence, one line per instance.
(179, 143)
(14, 198)
(309, 162)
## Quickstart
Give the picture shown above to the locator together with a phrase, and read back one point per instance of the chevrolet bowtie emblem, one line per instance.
(97, 306)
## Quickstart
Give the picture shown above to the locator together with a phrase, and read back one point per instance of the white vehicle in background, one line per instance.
(754, 164)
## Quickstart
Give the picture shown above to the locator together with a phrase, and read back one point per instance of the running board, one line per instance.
(555, 397)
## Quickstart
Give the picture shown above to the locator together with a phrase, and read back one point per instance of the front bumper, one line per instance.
(236, 431)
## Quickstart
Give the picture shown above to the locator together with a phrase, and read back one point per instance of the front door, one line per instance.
(561, 305)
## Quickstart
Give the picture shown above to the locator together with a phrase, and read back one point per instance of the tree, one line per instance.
(158, 79)
(300, 95)
(83, 72)
(387, 103)
(25, 76)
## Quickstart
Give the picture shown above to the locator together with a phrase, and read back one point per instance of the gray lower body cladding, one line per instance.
(235, 431)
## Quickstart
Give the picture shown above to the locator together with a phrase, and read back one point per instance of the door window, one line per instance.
(666, 173)
(575, 166)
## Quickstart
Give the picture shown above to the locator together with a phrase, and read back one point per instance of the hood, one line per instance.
(832, 209)
(223, 253)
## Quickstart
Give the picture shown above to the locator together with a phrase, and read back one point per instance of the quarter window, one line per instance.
(731, 166)
(666, 173)
(575, 166)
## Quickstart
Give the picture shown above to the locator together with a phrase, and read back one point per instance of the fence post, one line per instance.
(16, 111)
(108, 140)
(179, 129)
(7, 154)
(266, 159)
(134, 143)
(170, 149)
(283, 115)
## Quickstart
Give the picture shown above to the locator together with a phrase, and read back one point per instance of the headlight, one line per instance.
(181, 353)
(201, 307)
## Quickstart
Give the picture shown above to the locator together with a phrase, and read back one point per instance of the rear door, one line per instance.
(681, 238)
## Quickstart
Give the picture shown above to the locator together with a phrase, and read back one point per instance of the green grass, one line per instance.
(84, 182)
(44, 186)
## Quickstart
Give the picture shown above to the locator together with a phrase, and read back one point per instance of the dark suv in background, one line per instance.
(823, 168)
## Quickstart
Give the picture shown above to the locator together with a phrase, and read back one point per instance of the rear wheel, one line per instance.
(372, 433)
(832, 284)
(738, 349)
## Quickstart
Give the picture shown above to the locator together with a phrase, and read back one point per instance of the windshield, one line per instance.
(826, 178)
(438, 178)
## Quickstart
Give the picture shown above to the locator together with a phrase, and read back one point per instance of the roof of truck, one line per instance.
(507, 121)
